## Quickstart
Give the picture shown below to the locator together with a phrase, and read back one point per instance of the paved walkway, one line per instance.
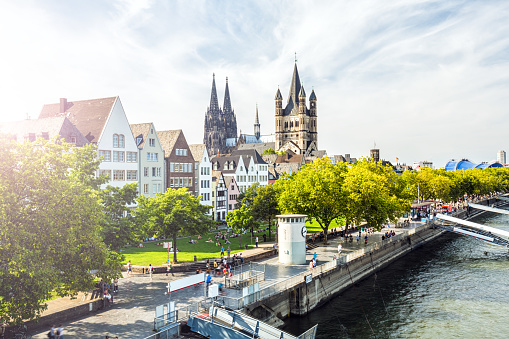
(133, 311)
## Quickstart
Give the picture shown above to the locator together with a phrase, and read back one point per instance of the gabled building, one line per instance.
(247, 166)
(219, 196)
(46, 128)
(104, 123)
(233, 192)
(179, 160)
(151, 167)
(202, 173)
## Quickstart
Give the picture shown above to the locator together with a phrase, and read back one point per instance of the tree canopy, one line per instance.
(172, 214)
(118, 227)
(316, 190)
(241, 219)
(374, 194)
(50, 219)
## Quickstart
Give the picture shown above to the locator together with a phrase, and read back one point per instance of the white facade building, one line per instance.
(203, 174)
(104, 123)
(501, 157)
(151, 160)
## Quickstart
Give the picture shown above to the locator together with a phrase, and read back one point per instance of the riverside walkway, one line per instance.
(133, 310)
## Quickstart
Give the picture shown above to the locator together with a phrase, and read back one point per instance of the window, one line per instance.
(152, 142)
(171, 182)
(118, 156)
(145, 171)
(154, 188)
(118, 140)
(73, 140)
(45, 135)
(145, 189)
(151, 156)
(105, 173)
(132, 156)
(172, 167)
(105, 154)
(118, 175)
(132, 175)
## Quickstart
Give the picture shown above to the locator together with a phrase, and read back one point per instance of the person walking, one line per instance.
(60, 332)
(340, 248)
(256, 241)
(228, 250)
(365, 240)
(150, 270)
(129, 268)
(52, 331)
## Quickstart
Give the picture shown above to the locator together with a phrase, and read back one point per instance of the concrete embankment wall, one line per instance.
(301, 298)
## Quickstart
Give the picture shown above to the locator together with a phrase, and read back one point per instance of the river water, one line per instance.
(454, 287)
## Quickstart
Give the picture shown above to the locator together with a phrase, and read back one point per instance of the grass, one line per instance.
(157, 255)
(314, 227)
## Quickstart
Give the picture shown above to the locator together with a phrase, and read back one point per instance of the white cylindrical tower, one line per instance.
(292, 238)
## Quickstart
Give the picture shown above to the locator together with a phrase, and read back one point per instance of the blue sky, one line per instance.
(424, 80)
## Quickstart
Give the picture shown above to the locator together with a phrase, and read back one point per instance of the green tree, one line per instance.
(265, 205)
(242, 219)
(174, 213)
(118, 224)
(247, 198)
(49, 225)
(269, 151)
(316, 190)
(374, 194)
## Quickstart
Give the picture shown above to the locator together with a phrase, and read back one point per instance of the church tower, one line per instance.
(220, 124)
(257, 125)
(296, 124)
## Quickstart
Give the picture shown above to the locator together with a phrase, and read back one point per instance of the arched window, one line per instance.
(121, 140)
(115, 140)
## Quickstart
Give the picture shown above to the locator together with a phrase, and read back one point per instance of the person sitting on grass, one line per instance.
(210, 240)
(199, 237)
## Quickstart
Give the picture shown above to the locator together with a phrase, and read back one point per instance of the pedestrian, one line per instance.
(366, 240)
(256, 241)
(129, 268)
(51, 333)
(358, 238)
(150, 270)
(314, 256)
(222, 250)
(60, 331)
(340, 247)
(310, 264)
(115, 285)
(264, 237)
(228, 250)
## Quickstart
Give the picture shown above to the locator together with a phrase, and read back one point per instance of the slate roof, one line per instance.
(197, 150)
(269, 158)
(258, 147)
(53, 126)
(289, 157)
(168, 140)
(89, 116)
(224, 159)
(142, 129)
(250, 153)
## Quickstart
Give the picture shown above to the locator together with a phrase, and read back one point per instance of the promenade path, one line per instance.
(133, 310)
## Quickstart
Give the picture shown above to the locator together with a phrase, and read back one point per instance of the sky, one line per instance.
(420, 80)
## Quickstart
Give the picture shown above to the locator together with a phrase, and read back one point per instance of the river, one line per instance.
(454, 287)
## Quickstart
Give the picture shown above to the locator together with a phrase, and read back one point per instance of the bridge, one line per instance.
(485, 233)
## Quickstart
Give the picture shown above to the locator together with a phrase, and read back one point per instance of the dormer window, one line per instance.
(45, 135)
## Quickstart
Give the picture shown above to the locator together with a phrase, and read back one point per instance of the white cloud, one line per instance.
(426, 80)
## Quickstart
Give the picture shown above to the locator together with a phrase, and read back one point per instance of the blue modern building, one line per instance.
(464, 164)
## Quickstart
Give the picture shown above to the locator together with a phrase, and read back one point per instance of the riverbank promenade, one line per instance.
(133, 310)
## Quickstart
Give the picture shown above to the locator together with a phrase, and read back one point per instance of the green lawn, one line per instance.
(157, 255)
(314, 227)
